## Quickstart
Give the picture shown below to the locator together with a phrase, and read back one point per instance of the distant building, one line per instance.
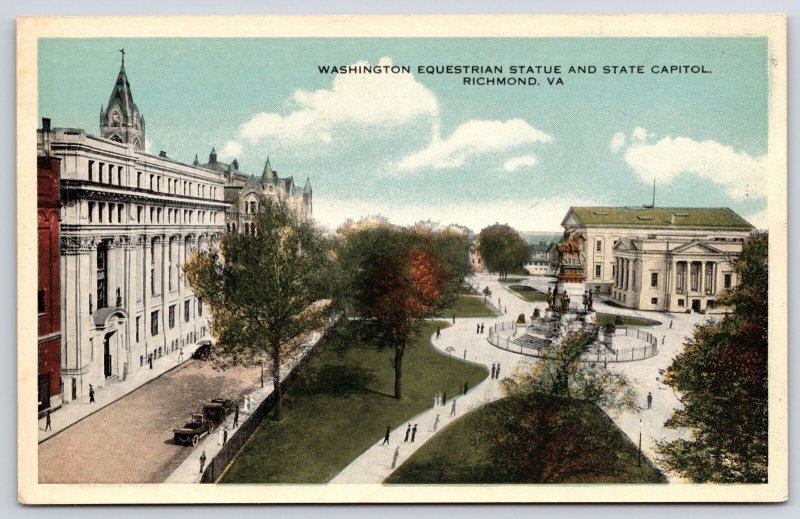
(246, 193)
(665, 259)
(49, 295)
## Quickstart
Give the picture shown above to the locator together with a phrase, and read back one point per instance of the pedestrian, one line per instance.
(150, 360)
(481, 327)
(180, 355)
(225, 436)
(438, 332)
(649, 400)
(444, 398)
(670, 324)
(492, 370)
(465, 354)
(477, 328)
(236, 416)
(454, 318)
(435, 399)
(413, 433)
(219, 437)
(202, 461)
(605, 363)
(466, 388)
(497, 371)
(386, 437)
(47, 426)
(91, 394)
(453, 408)
(408, 432)
(663, 338)
(396, 455)
(436, 422)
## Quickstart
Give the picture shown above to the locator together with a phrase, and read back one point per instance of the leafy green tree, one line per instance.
(721, 380)
(265, 289)
(502, 249)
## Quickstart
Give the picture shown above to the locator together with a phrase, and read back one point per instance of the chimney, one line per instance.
(163, 154)
(45, 124)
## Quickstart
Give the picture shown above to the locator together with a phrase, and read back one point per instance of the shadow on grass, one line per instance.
(336, 380)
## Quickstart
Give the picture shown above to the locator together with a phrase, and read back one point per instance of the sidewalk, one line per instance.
(189, 470)
(375, 464)
(75, 411)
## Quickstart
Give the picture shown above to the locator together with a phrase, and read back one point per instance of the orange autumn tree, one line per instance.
(396, 280)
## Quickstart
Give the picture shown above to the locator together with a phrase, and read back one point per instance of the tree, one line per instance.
(264, 289)
(502, 249)
(396, 280)
(721, 379)
(547, 432)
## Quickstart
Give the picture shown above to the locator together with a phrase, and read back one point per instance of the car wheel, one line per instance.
(195, 439)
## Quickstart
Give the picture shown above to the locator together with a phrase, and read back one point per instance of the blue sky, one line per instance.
(419, 146)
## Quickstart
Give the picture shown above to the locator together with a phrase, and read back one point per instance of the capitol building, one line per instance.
(128, 221)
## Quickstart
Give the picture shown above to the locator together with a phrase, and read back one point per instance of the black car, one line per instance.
(203, 351)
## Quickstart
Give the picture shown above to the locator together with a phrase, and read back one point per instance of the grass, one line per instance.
(341, 404)
(508, 281)
(528, 293)
(624, 320)
(467, 306)
(460, 454)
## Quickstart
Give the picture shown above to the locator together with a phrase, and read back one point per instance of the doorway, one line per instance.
(107, 371)
(695, 305)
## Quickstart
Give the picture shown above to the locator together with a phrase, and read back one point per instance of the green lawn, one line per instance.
(624, 320)
(528, 293)
(467, 306)
(510, 280)
(341, 404)
(460, 454)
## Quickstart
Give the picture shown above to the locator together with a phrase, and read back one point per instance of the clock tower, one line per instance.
(121, 120)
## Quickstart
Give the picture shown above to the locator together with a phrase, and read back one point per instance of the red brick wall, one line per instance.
(48, 204)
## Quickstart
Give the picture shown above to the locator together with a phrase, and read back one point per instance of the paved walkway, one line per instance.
(375, 464)
(189, 470)
(75, 411)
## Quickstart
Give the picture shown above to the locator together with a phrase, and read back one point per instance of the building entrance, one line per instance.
(107, 365)
(695, 305)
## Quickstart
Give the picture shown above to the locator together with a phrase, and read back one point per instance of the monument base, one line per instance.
(574, 290)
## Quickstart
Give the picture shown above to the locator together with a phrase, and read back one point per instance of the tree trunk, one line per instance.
(276, 381)
(398, 369)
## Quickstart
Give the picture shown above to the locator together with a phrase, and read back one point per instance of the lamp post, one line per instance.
(639, 462)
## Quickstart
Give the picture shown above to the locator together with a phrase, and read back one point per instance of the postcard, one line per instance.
(393, 259)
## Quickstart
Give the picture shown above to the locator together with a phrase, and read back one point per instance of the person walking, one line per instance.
(477, 328)
(670, 324)
(481, 327)
(91, 394)
(466, 388)
(649, 400)
(444, 398)
(180, 355)
(413, 433)
(435, 400)
(396, 455)
(236, 416)
(465, 354)
(438, 332)
(436, 422)
(497, 371)
(492, 370)
(47, 425)
(202, 461)
(150, 360)
(386, 437)
(225, 436)
(408, 432)
(453, 408)
(454, 318)
(663, 338)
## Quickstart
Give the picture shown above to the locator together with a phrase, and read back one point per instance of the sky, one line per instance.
(419, 146)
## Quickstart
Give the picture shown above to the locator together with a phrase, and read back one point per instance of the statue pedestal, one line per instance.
(591, 317)
(574, 290)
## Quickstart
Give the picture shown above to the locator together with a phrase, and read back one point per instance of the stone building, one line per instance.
(245, 193)
(657, 258)
(129, 220)
(49, 298)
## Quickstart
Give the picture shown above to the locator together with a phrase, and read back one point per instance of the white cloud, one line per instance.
(523, 161)
(523, 215)
(741, 175)
(230, 150)
(617, 141)
(759, 219)
(473, 138)
(365, 100)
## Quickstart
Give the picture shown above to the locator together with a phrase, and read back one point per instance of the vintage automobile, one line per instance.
(192, 431)
(217, 409)
(203, 351)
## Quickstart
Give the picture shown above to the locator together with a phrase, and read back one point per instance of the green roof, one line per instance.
(656, 217)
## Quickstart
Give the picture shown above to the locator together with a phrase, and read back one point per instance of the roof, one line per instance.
(122, 97)
(656, 217)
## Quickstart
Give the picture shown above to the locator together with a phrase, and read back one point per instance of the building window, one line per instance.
(102, 272)
(681, 302)
(152, 214)
(91, 171)
(654, 279)
(598, 271)
(727, 281)
(598, 245)
(199, 306)
(139, 211)
(710, 304)
(91, 212)
(139, 179)
(653, 300)
(42, 306)
(152, 183)
(154, 323)
(172, 317)
(101, 208)
(100, 172)
(186, 309)
(694, 275)
(119, 212)
(119, 175)
(680, 277)
(138, 326)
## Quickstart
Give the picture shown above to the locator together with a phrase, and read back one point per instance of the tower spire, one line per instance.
(122, 51)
